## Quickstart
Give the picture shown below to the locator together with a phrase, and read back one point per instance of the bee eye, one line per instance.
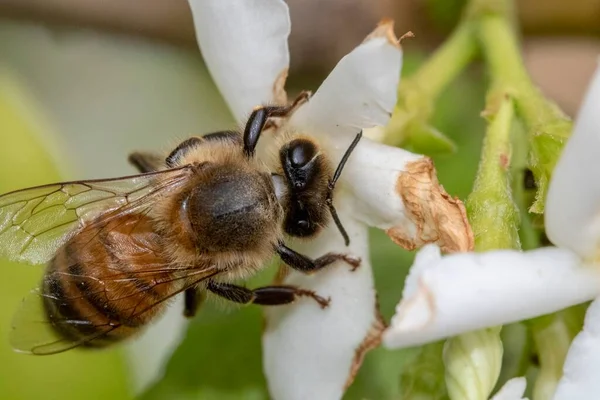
(303, 224)
(300, 152)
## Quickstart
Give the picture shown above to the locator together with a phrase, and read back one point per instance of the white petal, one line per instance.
(311, 353)
(398, 191)
(359, 93)
(573, 203)
(148, 354)
(464, 292)
(580, 379)
(513, 389)
(244, 45)
(371, 173)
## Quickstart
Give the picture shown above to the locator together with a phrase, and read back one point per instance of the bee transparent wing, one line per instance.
(35, 222)
(34, 333)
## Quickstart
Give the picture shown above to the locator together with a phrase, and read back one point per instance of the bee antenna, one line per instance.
(331, 186)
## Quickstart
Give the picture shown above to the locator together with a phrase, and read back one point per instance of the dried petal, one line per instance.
(439, 217)
(404, 197)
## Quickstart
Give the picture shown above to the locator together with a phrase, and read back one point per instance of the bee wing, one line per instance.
(35, 222)
(32, 332)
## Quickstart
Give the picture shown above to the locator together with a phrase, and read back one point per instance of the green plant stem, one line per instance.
(492, 212)
(417, 94)
(547, 126)
(473, 360)
(447, 62)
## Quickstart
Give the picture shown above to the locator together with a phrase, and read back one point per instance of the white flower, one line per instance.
(310, 352)
(513, 389)
(446, 296)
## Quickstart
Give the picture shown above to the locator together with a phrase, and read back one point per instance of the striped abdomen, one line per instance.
(108, 281)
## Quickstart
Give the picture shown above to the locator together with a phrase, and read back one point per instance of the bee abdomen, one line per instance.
(92, 295)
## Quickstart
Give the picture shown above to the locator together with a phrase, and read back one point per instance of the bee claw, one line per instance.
(354, 262)
(323, 302)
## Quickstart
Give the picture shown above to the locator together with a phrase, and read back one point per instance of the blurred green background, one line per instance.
(82, 85)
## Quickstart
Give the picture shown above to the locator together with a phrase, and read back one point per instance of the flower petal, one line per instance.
(580, 379)
(572, 212)
(359, 93)
(445, 296)
(149, 353)
(513, 389)
(404, 197)
(309, 352)
(244, 45)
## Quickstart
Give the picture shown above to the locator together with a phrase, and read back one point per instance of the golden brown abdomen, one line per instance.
(108, 281)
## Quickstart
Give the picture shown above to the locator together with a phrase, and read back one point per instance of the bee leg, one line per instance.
(266, 295)
(146, 162)
(193, 301)
(305, 264)
(259, 119)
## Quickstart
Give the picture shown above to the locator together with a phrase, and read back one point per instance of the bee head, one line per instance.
(306, 189)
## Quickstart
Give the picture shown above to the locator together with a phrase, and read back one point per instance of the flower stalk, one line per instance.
(492, 212)
(409, 126)
(547, 126)
(473, 360)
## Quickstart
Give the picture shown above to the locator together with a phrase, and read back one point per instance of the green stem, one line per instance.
(492, 212)
(446, 62)
(473, 360)
(417, 94)
(547, 126)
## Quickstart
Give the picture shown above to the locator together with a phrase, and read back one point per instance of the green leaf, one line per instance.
(547, 141)
(425, 139)
(424, 380)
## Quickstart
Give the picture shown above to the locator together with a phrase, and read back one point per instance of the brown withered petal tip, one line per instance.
(385, 29)
(371, 341)
(279, 93)
(407, 35)
(438, 217)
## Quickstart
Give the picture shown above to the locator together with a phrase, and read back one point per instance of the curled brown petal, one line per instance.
(438, 217)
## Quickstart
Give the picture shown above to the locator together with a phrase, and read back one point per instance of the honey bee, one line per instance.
(117, 250)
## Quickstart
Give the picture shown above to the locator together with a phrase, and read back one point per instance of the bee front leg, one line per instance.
(266, 295)
(260, 120)
(192, 302)
(305, 264)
